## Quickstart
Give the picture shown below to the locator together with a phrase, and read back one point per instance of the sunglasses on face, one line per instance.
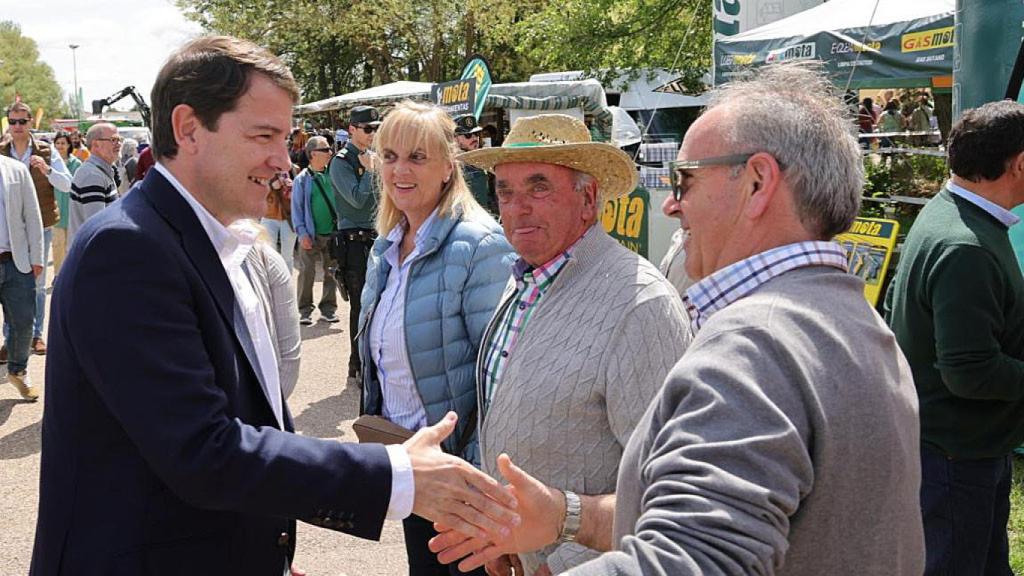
(367, 129)
(17, 121)
(677, 178)
(322, 150)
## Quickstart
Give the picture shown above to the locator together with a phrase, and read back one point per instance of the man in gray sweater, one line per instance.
(586, 330)
(785, 441)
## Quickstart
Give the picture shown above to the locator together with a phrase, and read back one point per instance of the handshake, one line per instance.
(478, 519)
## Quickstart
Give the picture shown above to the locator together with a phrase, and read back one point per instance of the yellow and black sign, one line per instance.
(457, 97)
(927, 40)
(869, 244)
(625, 219)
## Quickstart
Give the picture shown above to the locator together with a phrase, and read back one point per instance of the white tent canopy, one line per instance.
(843, 14)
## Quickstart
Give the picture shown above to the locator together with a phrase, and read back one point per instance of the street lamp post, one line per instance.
(74, 61)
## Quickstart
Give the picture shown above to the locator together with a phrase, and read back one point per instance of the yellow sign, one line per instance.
(869, 244)
(625, 219)
(927, 40)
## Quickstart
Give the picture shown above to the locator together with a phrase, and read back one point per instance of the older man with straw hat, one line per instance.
(586, 330)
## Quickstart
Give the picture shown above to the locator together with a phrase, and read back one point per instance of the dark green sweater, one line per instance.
(956, 306)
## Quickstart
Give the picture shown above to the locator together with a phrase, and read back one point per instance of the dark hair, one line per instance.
(892, 105)
(63, 134)
(19, 107)
(210, 74)
(985, 139)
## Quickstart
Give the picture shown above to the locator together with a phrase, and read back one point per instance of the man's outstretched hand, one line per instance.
(542, 510)
(450, 491)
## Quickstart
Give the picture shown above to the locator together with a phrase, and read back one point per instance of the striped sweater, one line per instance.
(93, 188)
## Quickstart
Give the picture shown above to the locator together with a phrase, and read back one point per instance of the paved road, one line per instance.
(321, 405)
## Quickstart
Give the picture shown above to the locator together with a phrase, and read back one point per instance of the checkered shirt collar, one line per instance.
(541, 275)
(735, 281)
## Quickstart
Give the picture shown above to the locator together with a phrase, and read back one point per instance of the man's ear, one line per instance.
(185, 124)
(765, 176)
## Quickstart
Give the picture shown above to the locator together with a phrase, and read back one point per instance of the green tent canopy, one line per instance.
(863, 43)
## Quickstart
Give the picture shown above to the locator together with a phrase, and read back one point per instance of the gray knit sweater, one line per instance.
(784, 442)
(593, 355)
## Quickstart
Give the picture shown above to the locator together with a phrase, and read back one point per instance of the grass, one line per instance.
(1016, 528)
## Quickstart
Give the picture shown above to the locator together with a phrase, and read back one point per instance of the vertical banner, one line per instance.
(478, 70)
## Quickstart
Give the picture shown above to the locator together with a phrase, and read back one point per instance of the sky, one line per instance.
(121, 42)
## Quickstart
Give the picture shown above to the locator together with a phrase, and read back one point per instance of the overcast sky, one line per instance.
(122, 42)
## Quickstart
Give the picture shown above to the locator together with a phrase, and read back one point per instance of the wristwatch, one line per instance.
(573, 509)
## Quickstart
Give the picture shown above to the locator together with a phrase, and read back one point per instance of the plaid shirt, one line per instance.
(741, 278)
(531, 283)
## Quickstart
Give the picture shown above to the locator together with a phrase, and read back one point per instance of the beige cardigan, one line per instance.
(272, 283)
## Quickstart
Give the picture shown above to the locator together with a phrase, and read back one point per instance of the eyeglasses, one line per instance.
(321, 150)
(115, 139)
(17, 121)
(367, 129)
(676, 178)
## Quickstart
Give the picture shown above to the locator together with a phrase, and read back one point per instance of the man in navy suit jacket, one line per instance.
(167, 447)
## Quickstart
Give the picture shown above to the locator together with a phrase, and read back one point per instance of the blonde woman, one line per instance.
(433, 279)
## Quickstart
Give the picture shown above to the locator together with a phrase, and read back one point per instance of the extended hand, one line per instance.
(452, 492)
(542, 510)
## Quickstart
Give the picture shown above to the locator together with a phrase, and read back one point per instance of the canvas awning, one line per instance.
(585, 94)
(863, 43)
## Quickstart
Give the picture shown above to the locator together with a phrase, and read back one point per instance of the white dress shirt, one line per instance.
(402, 402)
(232, 249)
(59, 176)
(998, 212)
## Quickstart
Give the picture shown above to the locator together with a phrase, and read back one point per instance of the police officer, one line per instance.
(467, 134)
(351, 172)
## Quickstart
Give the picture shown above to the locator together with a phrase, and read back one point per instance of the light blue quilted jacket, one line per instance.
(454, 287)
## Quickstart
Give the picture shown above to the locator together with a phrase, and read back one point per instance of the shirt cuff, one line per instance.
(402, 485)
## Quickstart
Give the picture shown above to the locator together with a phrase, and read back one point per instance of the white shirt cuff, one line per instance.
(402, 486)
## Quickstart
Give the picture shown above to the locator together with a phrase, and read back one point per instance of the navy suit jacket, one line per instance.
(161, 454)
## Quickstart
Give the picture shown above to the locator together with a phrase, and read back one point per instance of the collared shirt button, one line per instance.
(283, 539)
(504, 353)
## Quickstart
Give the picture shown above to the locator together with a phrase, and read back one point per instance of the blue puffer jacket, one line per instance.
(453, 289)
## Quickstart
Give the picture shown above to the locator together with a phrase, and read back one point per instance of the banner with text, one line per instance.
(869, 245)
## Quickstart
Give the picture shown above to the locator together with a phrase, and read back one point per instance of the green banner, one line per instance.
(626, 220)
(900, 54)
(478, 70)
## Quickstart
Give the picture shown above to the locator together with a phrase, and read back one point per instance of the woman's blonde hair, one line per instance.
(417, 125)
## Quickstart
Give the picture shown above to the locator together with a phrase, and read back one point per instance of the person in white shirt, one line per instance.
(165, 412)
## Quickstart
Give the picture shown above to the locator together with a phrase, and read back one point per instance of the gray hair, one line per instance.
(316, 142)
(97, 131)
(129, 148)
(792, 112)
(580, 182)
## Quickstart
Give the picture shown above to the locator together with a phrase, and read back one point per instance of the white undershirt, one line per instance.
(232, 246)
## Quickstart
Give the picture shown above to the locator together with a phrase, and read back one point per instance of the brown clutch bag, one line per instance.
(376, 430)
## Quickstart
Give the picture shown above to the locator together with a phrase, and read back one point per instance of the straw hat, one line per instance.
(565, 141)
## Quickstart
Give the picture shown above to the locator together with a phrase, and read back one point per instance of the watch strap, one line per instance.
(573, 511)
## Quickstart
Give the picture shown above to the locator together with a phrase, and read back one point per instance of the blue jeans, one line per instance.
(966, 506)
(37, 325)
(16, 297)
(282, 238)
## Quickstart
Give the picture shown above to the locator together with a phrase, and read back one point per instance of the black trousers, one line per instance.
(355, 253)
(423, 562)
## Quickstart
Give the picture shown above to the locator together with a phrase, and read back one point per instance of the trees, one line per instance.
(335, 47)
(24, 75)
